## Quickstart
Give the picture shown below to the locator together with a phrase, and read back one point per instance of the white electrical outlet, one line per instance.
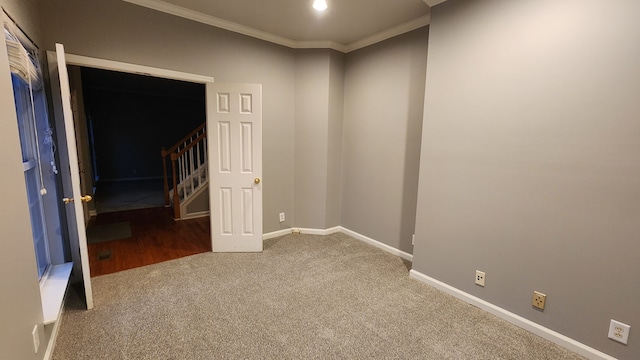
(619, 331)
(480, 277)
(538, 300)
(281, 217)
(36, 338)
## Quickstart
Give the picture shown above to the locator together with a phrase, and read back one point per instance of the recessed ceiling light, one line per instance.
(320, 5)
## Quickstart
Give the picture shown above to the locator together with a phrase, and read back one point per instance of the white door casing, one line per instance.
(69, 170)
(234, 125)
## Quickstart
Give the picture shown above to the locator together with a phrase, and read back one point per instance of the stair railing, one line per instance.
(188, 167)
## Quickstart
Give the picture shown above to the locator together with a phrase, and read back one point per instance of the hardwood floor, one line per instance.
(156, 237)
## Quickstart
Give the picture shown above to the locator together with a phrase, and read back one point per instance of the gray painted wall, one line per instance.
(383, 105)
(20, 296)
(529, 167)
(115, 30)
(318, 141)
(335, 138)
(311, 136)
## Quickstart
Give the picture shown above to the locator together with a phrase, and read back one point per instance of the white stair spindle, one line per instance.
(191, 169)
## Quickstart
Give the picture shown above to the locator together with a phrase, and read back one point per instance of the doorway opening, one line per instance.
(127, 119)
(123, 120)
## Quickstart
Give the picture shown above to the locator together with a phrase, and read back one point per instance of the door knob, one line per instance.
(85, 198)
(257, 181)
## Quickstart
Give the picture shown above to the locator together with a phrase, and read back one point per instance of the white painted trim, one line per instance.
(329, 231)
(213, 21)
(48, 354)
(308, 231)
(517, 320)
(193, 15)
(276, 234)
(53, 290)
(387, 34)
(335, 229)
(135, 69)
(51, 346)
(320, 45)
(194, 215)
(378, 244)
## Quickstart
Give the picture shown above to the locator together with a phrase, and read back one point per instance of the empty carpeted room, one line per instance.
(433, 179)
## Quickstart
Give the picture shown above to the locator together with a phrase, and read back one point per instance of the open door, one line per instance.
(234, 123)
(69, 170)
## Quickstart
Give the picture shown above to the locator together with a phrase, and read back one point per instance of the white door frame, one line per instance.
(96, 63)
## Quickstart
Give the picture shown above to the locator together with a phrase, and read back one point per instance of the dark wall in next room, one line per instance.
(134, 116)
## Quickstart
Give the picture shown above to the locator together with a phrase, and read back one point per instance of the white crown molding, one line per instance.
(433, 3)
(213, 21)
(387, 34)
(320, 45)
(193, 15)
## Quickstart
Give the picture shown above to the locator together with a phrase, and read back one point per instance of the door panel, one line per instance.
(69, 170)
(234, 112)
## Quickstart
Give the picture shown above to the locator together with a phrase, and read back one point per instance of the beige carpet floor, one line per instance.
(304, 297)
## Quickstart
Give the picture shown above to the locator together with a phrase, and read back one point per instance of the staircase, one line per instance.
(189, 174)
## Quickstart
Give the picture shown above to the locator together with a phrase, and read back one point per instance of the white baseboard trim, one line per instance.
(194, 215)
(288, 231)
(378, 244)
(345, 231)
(328, 231)
(546, 333)
(275, 234)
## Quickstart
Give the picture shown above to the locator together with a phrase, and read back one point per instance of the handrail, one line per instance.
(187, 166)
(192, 144)
(186, 138)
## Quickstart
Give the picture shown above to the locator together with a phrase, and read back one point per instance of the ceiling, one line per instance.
(345, 26)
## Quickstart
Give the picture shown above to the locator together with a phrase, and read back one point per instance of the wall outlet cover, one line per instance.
(36, 338)
(539, 299)
(480, 276)
(619, 331)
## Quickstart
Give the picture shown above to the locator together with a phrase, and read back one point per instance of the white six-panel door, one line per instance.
(69, 170)
(234, 128)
